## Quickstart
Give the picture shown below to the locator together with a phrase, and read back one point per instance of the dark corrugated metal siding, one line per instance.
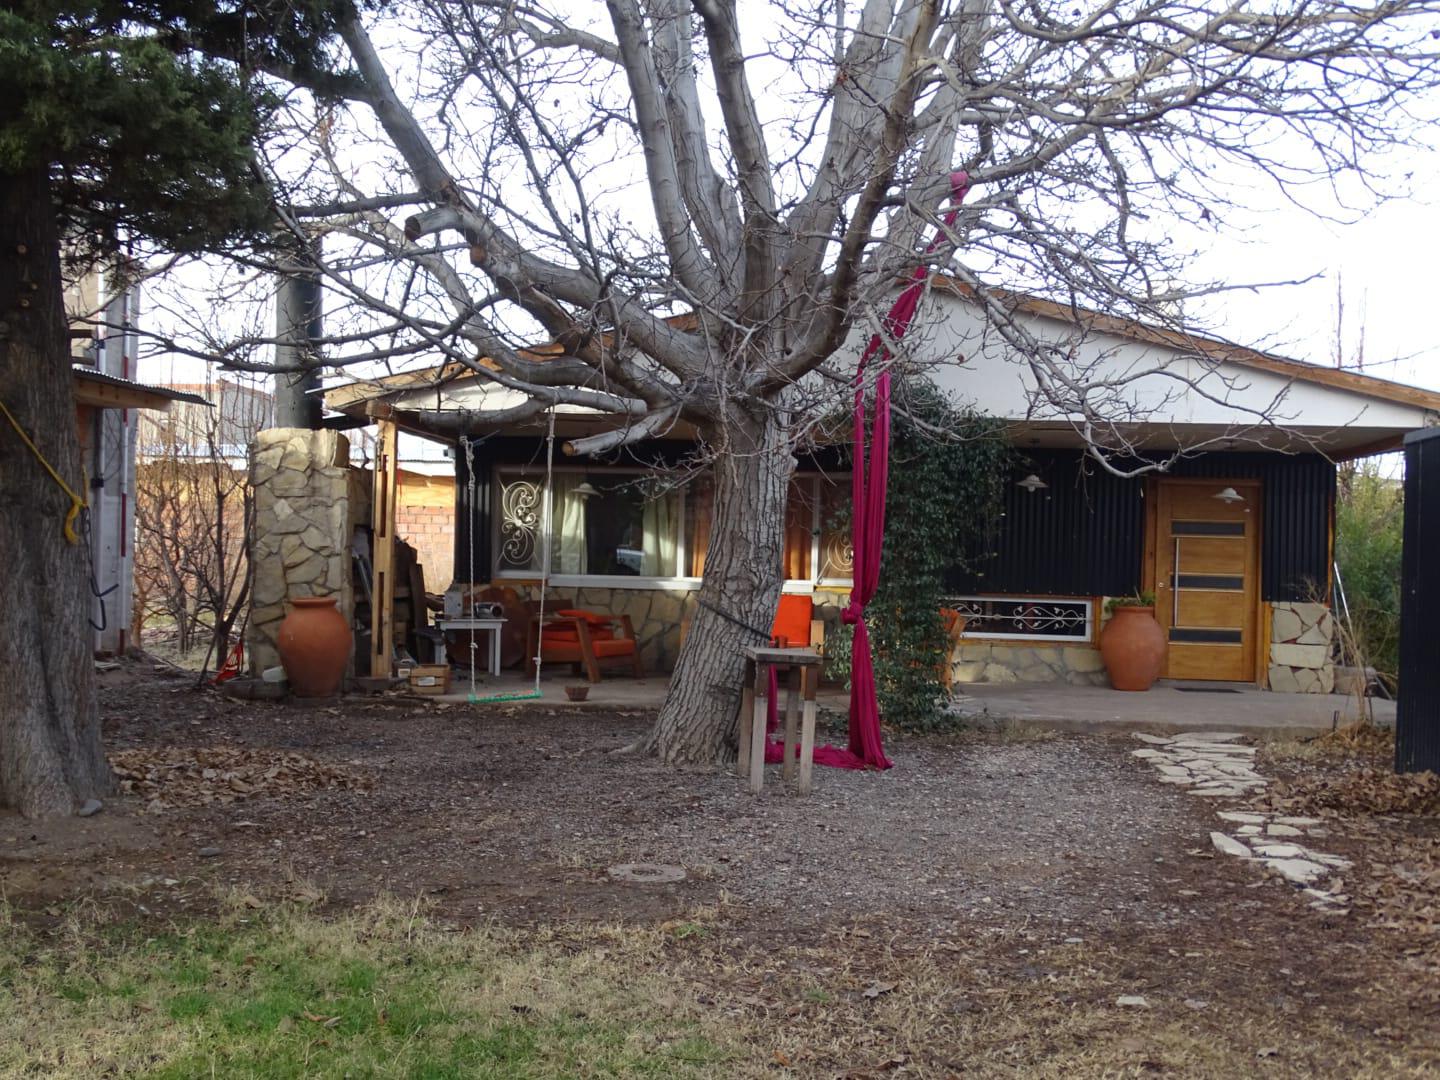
(1417, 724)
(472, 520)
(1083, 535)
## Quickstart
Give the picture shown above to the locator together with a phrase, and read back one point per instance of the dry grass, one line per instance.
(388, 991)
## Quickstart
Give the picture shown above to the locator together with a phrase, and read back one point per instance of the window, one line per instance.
(606, 524)
(626, 523)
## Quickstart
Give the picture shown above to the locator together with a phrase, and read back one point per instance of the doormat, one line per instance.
(1206, 690)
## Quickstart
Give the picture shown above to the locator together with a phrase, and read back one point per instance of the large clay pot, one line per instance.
(314, 645)
(1133, 648)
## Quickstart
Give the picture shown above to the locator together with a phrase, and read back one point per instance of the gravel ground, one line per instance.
(517, 812)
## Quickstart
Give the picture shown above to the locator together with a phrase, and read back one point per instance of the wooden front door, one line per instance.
(1207, 578)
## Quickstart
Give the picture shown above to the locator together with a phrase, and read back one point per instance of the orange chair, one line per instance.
(795, 627)
(584, 638)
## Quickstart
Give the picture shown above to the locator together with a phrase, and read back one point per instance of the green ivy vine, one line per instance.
(948, 471)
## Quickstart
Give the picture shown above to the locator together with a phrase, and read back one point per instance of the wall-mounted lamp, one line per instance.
(584, 490)
(1229, 495)
(1032, 484)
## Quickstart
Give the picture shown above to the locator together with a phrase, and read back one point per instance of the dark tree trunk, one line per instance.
(50, 753)
(738, 595)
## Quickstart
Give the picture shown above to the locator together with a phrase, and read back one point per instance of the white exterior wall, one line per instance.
(1161, 396)
(1161, 387)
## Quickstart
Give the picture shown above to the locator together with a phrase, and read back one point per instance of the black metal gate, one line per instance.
(1417, 730)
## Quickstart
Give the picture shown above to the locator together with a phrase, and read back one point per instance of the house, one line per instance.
(1234, 534)
(214, 421)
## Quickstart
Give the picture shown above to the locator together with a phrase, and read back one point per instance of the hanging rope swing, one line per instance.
(546, 520)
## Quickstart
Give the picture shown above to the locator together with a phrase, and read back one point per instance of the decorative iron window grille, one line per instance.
(520, 510)
(1024, 617)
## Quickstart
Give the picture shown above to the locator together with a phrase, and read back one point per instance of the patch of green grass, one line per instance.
(381, 993)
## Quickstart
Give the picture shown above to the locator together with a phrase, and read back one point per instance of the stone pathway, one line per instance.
(1210, 764)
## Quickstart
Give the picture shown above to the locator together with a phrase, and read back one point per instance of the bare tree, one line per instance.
(194, 511)
(699, 204)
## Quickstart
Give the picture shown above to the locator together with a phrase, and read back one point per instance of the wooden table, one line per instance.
(801, 681)
(492, 625)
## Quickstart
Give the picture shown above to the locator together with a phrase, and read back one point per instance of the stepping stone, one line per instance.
(1276, 829)
(1153, 740)
(1282, 851)
(1299, 871)
(1237, 768)
(1298, 822)
(1187, 779)
(1210, 736)
(1242, 817)
(1173, 770)
(1149, 754)
(1335, 862)
(1229, 846)
(1248, 830)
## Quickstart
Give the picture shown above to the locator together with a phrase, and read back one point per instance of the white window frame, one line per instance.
(680, 583)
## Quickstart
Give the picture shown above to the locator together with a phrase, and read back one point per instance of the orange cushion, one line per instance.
(600, 627)
(615, 647)
(791, 628)
(589, 616)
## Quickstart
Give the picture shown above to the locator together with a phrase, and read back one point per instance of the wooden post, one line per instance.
(382, 515)
(807, 734)
(747, 719)
(758, 732)
(792, 717)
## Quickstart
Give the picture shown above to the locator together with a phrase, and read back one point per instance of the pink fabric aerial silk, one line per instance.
(868, 483)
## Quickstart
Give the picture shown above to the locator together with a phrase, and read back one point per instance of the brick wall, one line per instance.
(425, 519)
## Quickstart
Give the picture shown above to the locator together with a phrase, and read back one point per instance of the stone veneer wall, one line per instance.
(300, 545)
(1301, 635)
(1004, 662)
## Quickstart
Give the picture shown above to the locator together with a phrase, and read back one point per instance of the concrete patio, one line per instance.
(1167, 708)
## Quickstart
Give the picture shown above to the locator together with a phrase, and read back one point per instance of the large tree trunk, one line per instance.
(50, 753)
(738, 594)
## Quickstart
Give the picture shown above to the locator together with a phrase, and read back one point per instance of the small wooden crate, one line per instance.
(430, 678)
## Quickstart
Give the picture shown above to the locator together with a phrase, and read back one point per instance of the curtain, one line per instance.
(798, 528)
(571, 556)
(699, 508)
(658, 526)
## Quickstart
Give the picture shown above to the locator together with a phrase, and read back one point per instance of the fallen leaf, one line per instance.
(874, 990)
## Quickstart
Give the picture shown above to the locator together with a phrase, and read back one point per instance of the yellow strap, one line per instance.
(76, 502)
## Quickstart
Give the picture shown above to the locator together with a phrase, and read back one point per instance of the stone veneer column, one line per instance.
(1300, 639)
(300, 544)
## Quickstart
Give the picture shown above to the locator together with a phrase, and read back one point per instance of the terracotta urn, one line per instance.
(1133, 648)
(314, 645)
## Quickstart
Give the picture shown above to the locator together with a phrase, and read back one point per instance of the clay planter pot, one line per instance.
(1133, 648)
(577, 693)
(314, 645)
